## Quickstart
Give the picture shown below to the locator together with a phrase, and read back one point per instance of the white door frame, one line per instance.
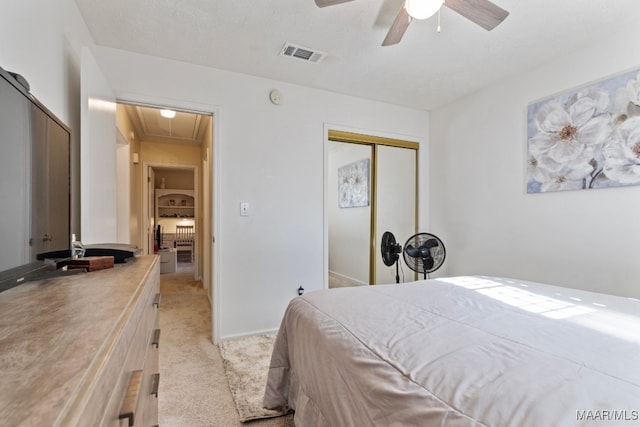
(98, 213)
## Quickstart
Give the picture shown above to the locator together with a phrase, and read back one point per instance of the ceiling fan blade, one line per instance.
(482, 12)
(398, 28)
(324, 3)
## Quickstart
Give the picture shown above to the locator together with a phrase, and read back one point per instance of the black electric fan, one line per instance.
(390, 251)
(424, 253)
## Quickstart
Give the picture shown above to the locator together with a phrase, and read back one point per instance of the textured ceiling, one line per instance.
(424, 71)
(184, 128)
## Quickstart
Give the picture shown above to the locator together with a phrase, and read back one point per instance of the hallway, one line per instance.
(193, 387)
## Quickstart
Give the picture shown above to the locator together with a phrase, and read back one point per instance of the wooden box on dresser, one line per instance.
(82, 350)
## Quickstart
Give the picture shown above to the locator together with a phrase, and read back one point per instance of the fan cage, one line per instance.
(437, 253)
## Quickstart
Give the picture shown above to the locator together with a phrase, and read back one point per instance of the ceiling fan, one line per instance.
(482, 12)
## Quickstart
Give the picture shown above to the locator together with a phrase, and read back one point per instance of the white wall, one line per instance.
(479, 206)
(270, 156)
(98, 161)
(42, 40)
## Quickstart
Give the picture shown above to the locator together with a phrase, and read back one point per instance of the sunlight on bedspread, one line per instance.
(587, 311)
(465, 351)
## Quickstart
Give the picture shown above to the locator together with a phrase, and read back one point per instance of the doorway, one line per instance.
(170, 151)
(173, 193)
(97, 209)
(388, 202)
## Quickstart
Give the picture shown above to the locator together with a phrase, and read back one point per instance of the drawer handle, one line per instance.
(156, 338)
(156, 300)
(128, 408)
(155, 384)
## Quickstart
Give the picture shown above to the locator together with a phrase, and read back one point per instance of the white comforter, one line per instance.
(467, 351)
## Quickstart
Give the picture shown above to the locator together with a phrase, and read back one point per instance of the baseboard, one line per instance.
(248, 334)
(350, 279)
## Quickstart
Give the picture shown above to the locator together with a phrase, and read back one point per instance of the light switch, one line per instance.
(244, 209)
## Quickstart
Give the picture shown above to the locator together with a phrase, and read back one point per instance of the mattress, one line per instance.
(462, 351)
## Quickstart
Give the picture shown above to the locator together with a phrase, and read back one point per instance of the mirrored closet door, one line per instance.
(396, 206)
(371, 189)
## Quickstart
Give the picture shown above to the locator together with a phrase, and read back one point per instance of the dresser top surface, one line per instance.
(51, 331)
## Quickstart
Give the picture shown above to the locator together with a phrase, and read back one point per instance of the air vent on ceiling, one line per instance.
(302, 53)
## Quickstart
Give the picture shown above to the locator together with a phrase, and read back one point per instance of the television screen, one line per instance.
(34, 183)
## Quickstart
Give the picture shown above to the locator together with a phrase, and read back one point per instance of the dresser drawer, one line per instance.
(137, 364)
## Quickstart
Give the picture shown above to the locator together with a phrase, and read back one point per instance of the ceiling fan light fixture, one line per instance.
(423, 9)
(169, 114)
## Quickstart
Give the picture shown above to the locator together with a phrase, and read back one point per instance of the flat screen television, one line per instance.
(35, 186)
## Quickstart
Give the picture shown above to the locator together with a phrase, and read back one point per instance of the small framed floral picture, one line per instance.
(353, 184)
(586, 138)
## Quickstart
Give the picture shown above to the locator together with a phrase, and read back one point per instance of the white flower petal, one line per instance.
(552, 117)
(578, 171)
(625, 174)
(622, 161)
(633, 89)
(595, 131)
(541, 143)
(546, 162)
(558, 185)
(565, 151)
(599, 97)
(623, 97)
(629, 131)
(582, 111)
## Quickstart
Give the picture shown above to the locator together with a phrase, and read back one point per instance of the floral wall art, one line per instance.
(353, 184)
(586, 138)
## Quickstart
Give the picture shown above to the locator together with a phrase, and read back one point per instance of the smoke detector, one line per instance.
(302, 53)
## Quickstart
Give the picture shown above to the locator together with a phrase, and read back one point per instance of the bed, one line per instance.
(462, 351)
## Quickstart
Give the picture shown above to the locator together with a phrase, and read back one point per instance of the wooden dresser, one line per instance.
(82, 350)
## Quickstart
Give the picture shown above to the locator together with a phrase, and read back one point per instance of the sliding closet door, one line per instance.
(395, 205)
(349, 210)
(355, 232)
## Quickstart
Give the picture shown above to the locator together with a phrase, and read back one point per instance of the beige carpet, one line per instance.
(246, 363)
(338, 281)
(194, 391)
